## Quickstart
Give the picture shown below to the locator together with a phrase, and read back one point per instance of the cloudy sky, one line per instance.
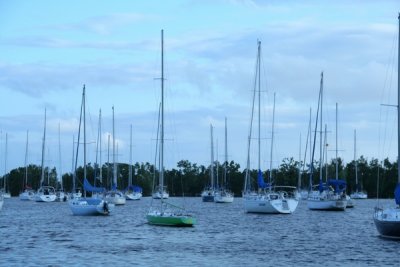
(49, 49)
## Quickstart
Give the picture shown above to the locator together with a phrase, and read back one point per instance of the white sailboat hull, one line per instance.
(116, 198)
(90, 207)
(223, 197)
(133, 196)
(323, 201)
(27, 195)
(265, 204)
(45, 198)
(157, 195)
(6, 195)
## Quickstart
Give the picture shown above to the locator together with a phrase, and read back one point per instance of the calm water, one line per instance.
(33, 234)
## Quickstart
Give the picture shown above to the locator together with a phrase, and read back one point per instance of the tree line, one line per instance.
(189, 179)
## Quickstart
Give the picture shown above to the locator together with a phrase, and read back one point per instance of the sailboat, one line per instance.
(45, 193)
(114, 195)
(61, 196)
(349, 201)
(359, 193)
(28, 193)
(166, 214)
(133, 192)
(158, 190)
(223, 194)
(268, 198)
(387, 220)
(208, 193)
(324, 196)
(87, 206)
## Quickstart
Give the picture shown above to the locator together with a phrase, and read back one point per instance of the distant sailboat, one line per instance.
(87, 206)
(28, 193)
(349, 201)
(166, 214)
(223, 194)
(387, 220)
(45, 193)
(61, 196)
(359, 193)
(133, 192)
(324, 196)
(268, 198)
(208, 193)
(115, 196)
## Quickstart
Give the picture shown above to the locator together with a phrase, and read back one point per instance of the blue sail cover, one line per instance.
(397, 194)
(260, 180)
(338, 185)
(88, 187)
(135, 188)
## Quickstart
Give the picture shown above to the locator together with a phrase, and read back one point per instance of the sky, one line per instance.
(50, 49)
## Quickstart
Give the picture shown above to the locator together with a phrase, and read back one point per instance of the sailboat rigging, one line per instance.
(387, 220)
(166, 214)
(268, 198)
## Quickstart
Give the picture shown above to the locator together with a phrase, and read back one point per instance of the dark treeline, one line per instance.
(189, 178)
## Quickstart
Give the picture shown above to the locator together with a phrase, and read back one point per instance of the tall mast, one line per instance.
(398, 108)
(272, 143)
(100, 151)
(5, 164)
(320, 130)
(337, 159)
(26, 159)
(259, 106)
(299, 178)
(84, 133)
(355, 158)
(43, 149)
(130, 159)
(326, 152)
(59, 157)
(114, 162)
(226, 151)
(73, 166)
(162, 120)
(108, 160)
(212, 157)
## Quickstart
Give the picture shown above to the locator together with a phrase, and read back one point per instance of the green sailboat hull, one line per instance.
(178, 221)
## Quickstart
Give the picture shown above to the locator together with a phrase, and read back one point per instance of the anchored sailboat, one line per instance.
(115, 196)
(268, 198)
(223, 194)
(166, 214)
(45, 193)
(208, 193)
(324, 196)
(87, 206)
(133, 192)
(387, 220)
(28, 193)
(359, 193)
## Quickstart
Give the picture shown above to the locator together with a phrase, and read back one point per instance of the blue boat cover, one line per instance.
(134, 188)
(260, 180)
(338, 185)
(88, 187)
(397, 194)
